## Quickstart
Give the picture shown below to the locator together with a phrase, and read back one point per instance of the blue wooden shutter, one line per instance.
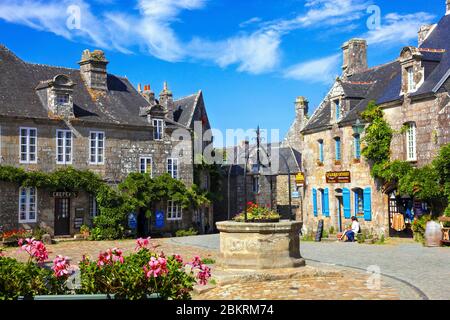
(326, 203)
(338, 149)
(314, 192)
(347, 206)
(357, 146)
(356, 195)
(367, 204)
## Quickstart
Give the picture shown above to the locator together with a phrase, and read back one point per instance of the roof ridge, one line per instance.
(50, 66)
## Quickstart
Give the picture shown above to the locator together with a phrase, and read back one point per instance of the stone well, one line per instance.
(260, 245)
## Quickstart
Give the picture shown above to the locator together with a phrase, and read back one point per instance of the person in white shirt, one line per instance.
(351, 233)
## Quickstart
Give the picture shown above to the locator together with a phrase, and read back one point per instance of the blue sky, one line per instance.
(251, 58)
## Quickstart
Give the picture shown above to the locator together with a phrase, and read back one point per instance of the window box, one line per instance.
(356, 161)
(319, 163)
(337, 162)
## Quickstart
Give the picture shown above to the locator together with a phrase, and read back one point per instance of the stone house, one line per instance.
(86, 118)
(413, 92)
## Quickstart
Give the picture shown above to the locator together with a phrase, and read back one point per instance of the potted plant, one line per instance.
(258, 214)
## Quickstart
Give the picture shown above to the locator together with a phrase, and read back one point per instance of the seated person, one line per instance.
(352, 231)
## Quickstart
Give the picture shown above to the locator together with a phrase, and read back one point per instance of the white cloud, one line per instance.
(322, 70)
(398, 29)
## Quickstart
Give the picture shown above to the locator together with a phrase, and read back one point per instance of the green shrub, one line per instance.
(208, 261)
(419, 226)
(331, 230)
(186, 233)
(38, 232)
(27, 280)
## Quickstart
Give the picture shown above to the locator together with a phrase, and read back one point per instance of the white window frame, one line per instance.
(158, 127)
(410, 79)
(27, 205)
(337, 109)
(60, 102)
(170, 168)
(411, 142)
(97, 154)
(146, 159)
(93, 206)
(64, 147)
(28, 145)
(174, 211)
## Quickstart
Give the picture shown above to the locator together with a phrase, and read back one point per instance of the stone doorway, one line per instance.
(339, 209)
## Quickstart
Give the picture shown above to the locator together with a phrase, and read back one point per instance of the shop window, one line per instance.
(359, 201)
(27, 205)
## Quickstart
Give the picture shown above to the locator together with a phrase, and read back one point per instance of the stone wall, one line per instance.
(123, 148)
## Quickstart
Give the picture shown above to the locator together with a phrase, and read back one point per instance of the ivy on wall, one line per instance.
(430, 183)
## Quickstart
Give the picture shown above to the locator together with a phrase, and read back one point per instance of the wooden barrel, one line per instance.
(433, 234)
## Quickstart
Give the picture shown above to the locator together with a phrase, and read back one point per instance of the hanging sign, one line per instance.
(63, 194)
(132, 221)
(338, 177)
(159, 219)
(300, 178)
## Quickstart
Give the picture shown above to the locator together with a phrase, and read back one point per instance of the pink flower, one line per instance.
(142, 243)
(110, 256)
(196, 262)
(36, 249)
(2, 254)
(156, 267)
(204, 274)
(178, 258)
(61, 266)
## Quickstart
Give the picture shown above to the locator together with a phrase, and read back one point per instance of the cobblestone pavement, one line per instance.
(428, 269)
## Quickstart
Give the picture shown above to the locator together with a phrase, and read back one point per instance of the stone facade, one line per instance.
(103, 103)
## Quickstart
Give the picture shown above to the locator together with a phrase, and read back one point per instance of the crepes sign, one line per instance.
(338, 177)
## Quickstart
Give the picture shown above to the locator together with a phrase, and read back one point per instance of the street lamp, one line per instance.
(358, 127)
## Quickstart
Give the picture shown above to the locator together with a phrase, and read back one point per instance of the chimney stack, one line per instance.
(355, 56)
(93, 69)
(424, 31)
(301, 110)
(166, 100)
(148, 94)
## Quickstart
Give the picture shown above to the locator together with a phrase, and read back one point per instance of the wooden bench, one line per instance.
(445, 231)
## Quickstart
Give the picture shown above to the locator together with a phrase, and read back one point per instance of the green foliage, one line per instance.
(442, 165)
(421, 183)
(27, 280)
(208, 261)
(391, 171)
(331, 230)
(378, 136)
(256, 213)
(127, 280)
(186, 233)
(39, 232)
(419, 227)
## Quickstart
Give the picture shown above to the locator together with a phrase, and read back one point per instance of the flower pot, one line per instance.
(80, 297)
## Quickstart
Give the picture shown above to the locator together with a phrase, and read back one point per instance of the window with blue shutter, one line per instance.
(321, 158)
(338, 148)
(314, 193)
(357, 142)
(367, 204)
(346, 200)
(326, 203)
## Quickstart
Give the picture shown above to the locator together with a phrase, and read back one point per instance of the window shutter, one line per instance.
(314, 192)
(355, 195)
(347, 206)
(367, 204)
(326, 203)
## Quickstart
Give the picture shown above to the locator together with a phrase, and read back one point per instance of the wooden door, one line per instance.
(62, 216)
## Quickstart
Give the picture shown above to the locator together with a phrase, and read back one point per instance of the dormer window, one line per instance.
(410, 79)
(62, 99)
(337, 107)
(158, 129)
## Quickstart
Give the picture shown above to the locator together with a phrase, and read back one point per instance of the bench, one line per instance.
(445, 231)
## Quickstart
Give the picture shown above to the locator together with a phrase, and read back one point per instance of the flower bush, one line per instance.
(141, 274)
(15, 235)
(257, 213)
(36, 249)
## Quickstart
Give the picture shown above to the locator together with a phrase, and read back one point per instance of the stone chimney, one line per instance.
(93, 69)
(355, 56)
(149, 95)
(447, 12)
(301, 111)
(166, 100)
(424, 31)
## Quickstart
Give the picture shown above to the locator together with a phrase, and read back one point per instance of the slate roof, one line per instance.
(120, 105)
(362, 87)
(184, 109)
(279, 166)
